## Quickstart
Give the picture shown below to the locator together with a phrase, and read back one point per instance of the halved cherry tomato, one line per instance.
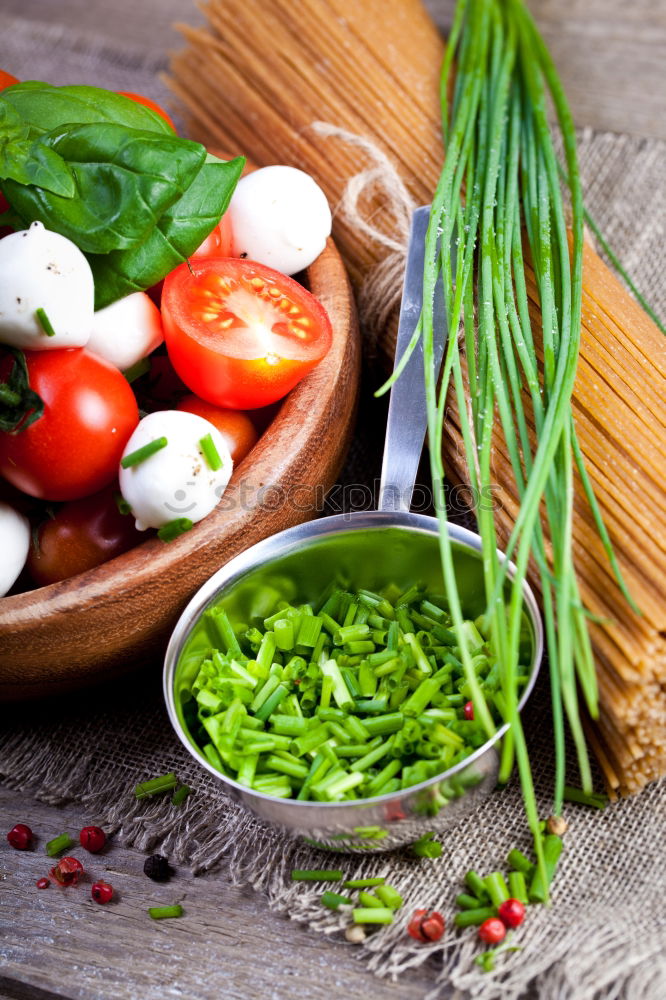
(240, 334)
(74, 448)
(235, 426)
(220, 241)
(218, 244)
(148, 103)
(81, 535)
(7, 79)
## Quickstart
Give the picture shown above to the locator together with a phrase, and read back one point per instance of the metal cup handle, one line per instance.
(406, 423)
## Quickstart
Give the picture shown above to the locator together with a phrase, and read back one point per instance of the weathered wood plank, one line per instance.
(609, 52)
(58, 943)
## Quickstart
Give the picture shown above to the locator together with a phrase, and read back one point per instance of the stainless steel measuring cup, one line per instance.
(368, 549)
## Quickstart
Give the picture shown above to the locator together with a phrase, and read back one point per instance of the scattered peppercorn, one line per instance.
(102, 892)
(426, 925)
(468, 710)
(68, 871)
(157, 868)
(92, 838)
(355, 934)
(42, 883)
(492, 930)
(512, 912)
(20, 837)
(557, 825)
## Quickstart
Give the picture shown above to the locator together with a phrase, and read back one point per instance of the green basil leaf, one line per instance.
(44, 107)
(26, 161)
(125, 179)
(182, 228)
(30, 162)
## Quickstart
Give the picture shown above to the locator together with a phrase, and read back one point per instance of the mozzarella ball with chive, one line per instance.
(14, 545)
(47, 292)
(279, 217)
(126, 331)
(169, 469)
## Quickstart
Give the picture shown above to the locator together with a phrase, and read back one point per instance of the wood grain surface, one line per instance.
(58, 943)
(99, 622)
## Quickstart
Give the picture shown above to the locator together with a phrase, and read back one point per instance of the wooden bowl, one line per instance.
(102, 622)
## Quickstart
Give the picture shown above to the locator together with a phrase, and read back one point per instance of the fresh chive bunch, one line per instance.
(499, 201)
(363, 698)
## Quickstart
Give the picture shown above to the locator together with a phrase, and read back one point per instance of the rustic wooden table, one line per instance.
(58, 943)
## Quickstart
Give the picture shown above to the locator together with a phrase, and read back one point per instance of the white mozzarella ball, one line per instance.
(126, 331)
(43, 270)
(175, 481)
(14, 545)
(279, 217)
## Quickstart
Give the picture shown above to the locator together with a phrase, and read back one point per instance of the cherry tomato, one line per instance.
(492, 930)
(235, 426)
(7, 79)
(148, 103)
(217, 244)
(81, 535)
(220, 241)
(240, 334)
(74, 448)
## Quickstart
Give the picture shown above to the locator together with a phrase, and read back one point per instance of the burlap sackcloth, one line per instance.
(605, 935)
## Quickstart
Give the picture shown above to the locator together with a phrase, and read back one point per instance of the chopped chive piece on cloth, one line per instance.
(316, 875)
(538, 890)
(517, 860)
(426, 847)
(476, 885)
(594, 799)
(474, 918)
(181, 794)
(497, 888)
(156, 786)
(466, 902)
(389, 896)
(518, 887)
(333, 900)
(372, 915)
(363, 883)
(371, 901)
(141, 454)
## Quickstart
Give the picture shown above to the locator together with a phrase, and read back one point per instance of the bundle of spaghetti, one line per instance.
(253, 81)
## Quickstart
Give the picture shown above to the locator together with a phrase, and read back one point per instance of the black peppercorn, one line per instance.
(157, 868)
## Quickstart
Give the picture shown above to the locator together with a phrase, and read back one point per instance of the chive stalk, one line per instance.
(141, 454)
(44, 322)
